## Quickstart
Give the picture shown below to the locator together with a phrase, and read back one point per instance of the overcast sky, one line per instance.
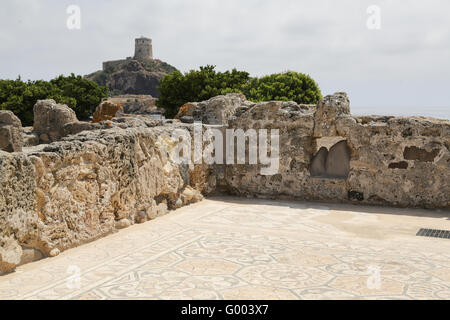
(401, 67)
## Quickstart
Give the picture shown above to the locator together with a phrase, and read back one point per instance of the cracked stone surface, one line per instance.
(234, 248)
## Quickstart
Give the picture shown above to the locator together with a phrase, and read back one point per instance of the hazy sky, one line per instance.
(402, 66)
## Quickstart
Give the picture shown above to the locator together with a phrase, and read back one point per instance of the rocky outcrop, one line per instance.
(133, 76)
(10, 132)
(50, 118)
(217, 110)
(137, 104)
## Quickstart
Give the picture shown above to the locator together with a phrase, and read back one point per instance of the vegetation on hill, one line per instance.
(177, 89)
(80, 94)
(156, 65)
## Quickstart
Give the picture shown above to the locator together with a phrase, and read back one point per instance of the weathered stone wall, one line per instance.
(327, 154)
(116, 173)
(54, 197)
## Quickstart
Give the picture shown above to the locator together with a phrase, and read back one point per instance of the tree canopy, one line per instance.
(177, 88)
(197, 85)
(80, 94)
(286, 86)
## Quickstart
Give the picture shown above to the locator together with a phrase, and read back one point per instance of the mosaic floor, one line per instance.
(229, 248)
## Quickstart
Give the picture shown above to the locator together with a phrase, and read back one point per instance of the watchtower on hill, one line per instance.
(143, 49)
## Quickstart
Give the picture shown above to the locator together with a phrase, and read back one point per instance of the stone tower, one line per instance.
(143, 49)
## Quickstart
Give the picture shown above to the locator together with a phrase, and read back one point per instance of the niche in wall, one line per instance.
(334, 164)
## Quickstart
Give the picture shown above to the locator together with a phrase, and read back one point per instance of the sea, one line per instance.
(434, 112)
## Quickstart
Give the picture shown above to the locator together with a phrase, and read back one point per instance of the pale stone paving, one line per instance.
(229, 248)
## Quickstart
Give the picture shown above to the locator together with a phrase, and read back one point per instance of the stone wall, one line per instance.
(327, 154)
(113, 174)
(58, 196)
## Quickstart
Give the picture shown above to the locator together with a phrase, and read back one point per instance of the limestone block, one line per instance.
(217, 110)
(10, 254)
(329, 109)
(106, 111)
(11, 139)
(50, 118)
(8, 118)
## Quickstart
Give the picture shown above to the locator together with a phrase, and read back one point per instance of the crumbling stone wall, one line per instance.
(103, 177)
(58, 196)
(328, 154)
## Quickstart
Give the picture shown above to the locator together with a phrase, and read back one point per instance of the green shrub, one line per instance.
(86, 93)
(197, 85)
(78, 93)
(286, 86)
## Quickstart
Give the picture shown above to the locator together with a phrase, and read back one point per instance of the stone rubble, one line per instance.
(10, 132)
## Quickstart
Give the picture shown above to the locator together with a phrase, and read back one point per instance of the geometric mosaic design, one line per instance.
(228, 248)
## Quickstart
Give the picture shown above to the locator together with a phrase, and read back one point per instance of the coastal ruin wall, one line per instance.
(97, 178)
(57, 196)
(329, 155)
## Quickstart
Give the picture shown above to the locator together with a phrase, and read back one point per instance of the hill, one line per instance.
(132, 76)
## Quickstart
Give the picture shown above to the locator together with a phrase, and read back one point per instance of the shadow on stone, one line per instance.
(317, 168)
(414, 153)
(332, 164)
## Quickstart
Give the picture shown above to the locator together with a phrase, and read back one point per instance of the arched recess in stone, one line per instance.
(338, 160)
(331, 164)
(317, 168)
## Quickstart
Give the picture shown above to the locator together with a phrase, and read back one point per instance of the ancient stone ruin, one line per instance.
(10, 132)
(66, 182)
(138, 75)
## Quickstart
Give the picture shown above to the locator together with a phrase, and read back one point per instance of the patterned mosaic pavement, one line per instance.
(229, 248)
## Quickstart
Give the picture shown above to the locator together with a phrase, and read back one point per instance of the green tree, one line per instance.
(286, 86)
(197, 85)
(86, 94)
(79, 94)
